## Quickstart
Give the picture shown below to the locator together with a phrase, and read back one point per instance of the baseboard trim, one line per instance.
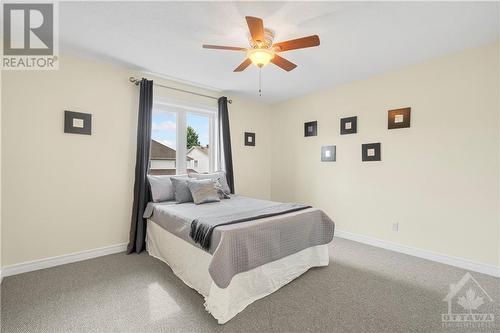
(416, 252)
(34, 265)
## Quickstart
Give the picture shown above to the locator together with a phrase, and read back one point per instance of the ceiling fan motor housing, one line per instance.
(266, 43)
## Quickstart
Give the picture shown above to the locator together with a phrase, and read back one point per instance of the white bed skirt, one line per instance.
(190, 264)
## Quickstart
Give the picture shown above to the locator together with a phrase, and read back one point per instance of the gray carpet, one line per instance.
(365, 289)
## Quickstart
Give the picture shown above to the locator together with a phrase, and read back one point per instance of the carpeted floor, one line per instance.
(365, 289)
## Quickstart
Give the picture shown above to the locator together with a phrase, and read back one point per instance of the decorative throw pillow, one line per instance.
(203, 191)
(161, 188)
(221, 175)
(220, 189)
(181, 189)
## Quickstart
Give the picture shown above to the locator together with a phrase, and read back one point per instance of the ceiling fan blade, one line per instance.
(243, 65)
(299, 43)
(283, 63)
(218, 47)
(256, 27)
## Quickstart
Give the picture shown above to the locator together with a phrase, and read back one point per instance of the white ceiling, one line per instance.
(357, 39)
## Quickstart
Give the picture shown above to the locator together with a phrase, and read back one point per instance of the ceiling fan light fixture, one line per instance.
(260, 57)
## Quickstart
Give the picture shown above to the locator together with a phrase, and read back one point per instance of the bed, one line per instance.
(245, 260)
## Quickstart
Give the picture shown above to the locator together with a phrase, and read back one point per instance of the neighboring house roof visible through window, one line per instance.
(161, 152)
(200, 148)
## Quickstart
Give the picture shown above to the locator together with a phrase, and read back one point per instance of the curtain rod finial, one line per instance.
(134, 80)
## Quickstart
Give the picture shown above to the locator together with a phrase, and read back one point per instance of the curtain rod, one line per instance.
(137, 82)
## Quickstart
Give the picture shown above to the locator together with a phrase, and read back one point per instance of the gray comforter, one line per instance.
(203, 227)
(239, 247)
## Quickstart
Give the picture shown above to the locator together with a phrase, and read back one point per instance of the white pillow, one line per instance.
(162, 188)
(221, 175)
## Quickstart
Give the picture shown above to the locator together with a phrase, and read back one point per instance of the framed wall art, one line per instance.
(311, 128)
(348, 125)
(77, 123)
(398, 118)
(249, 139)
(328, 154)
(371, 152)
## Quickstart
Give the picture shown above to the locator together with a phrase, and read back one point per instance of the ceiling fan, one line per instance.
(262, 48)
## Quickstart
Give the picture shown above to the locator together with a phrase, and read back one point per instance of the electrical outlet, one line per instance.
(395, 226)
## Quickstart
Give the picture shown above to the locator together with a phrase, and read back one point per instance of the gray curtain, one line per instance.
(225, 155)
(141, 185)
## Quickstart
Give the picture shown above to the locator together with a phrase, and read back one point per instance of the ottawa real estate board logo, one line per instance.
(470, 307)
(30, 36)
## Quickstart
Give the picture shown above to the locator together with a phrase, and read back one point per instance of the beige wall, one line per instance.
(438, 179)
(63, 193)
(252, 165)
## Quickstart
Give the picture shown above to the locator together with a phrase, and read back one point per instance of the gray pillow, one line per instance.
(221, 175)
(181, 189)
(161, 188)
(220, 189)
(203, 191)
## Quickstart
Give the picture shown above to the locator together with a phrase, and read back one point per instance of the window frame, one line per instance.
(182, 109)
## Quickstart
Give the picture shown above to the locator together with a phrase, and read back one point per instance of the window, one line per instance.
(163, 151)
(198, 137)
(182, 139)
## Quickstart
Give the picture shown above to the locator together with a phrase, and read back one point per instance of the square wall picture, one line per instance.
(328, 154)
(399, 118)
(348, 125)
(311, 128)
(249, 139)
(77, 123)
(370, 152)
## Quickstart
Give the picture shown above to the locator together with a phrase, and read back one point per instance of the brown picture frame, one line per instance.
(399, 118)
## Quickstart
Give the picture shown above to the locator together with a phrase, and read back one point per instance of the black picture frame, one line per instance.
(349, 125)
(328, 153)
(311, 128)
(249, 139)
(371, 152)
(398, 118)
(77, 123)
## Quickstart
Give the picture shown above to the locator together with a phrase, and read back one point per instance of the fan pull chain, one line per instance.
(260, 81)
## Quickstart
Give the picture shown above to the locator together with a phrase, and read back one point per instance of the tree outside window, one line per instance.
(192, 138)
